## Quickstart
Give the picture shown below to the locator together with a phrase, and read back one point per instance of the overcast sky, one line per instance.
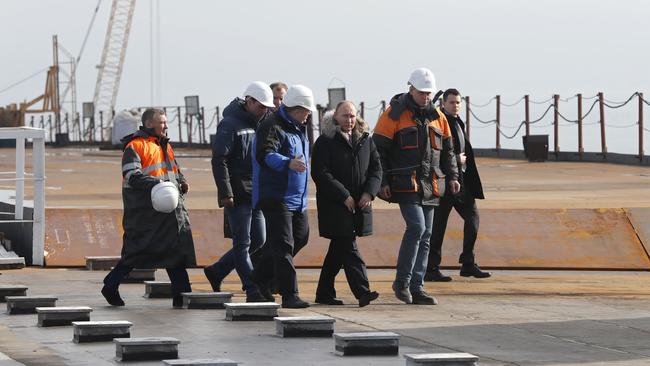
(215, 48)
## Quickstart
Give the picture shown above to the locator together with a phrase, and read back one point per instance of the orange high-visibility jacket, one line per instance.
(416, 151)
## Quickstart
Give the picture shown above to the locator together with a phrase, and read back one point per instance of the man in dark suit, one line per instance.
(464, 202)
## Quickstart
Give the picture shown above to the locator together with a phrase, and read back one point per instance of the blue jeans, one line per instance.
(414, 250)
(248, 235)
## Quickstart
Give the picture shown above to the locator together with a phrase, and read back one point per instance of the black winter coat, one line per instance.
(341, 169)
(232, 149)
(470, 181)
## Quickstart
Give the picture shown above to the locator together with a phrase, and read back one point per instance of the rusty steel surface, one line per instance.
(508, 238)
(640, 220)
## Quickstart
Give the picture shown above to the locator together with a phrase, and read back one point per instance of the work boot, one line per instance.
(212, 276)
(367, 298)
(112, 296)
(472, 270)
(294, 302)
(422, 298)
(436, 276)
(402, 292)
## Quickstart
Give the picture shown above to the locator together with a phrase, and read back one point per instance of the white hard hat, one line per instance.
(164, 197)
(261, 92)
(423, 80)
(299, 96)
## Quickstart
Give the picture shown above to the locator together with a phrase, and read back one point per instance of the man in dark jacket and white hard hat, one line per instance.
(280, 174)
(346, 169)
(232, 160)
(157, 232)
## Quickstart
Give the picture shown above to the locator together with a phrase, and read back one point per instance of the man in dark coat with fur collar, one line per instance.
(347, 172)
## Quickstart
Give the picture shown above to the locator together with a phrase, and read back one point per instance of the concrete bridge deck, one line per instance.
(550, 318)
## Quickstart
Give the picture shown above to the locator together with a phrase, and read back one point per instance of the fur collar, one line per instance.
(329, 126)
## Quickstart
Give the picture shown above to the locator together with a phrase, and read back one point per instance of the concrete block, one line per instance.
(140, 275)
(366, 343)
(28, 304)
(12, 263)
(441, 359)
(304, 326)
(206, 300)
(201, 361)
(146, 349)
(100, 331)
(251, 310)
(62, 315)
(101, 263)
(158, 289)
(12, 290)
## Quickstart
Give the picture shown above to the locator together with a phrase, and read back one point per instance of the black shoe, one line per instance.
(402, 292)
(177, 302)
(213, 277)
(255, 297)
(265, 292)
(367, 298)
(332, 301)
(436, 276)
(422, 298)
(112, 297)
(294, 302)
(472, 270)
(263, 287)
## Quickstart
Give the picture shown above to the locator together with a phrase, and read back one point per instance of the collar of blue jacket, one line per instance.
(282, 111)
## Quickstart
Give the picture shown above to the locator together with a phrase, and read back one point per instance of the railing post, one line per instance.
(603, 142)
(38, 231)
(581, 149)
(203, 125)
(467, 114)
(76, 122)
(527, 104)
(556, 124)
(362, 107)
(49, 122)
(188, 118)
(383, 107)
(20, 177)
(217, 111)
(101, 126)
(498, 119)
(180, 125)
(641, 152)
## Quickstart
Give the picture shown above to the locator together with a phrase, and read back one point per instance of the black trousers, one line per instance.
(343, 252)
(287, 233)
(178, 277)
(467, 209)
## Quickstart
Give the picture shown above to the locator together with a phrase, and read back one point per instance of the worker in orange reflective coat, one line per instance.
(155, 235)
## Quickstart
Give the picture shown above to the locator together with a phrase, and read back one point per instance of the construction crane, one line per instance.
(110, 67)
(14, 115)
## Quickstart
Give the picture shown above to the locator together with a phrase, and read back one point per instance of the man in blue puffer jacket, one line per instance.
(232, 158)
(280, 174)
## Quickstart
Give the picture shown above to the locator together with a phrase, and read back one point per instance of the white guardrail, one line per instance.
(37, 135)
